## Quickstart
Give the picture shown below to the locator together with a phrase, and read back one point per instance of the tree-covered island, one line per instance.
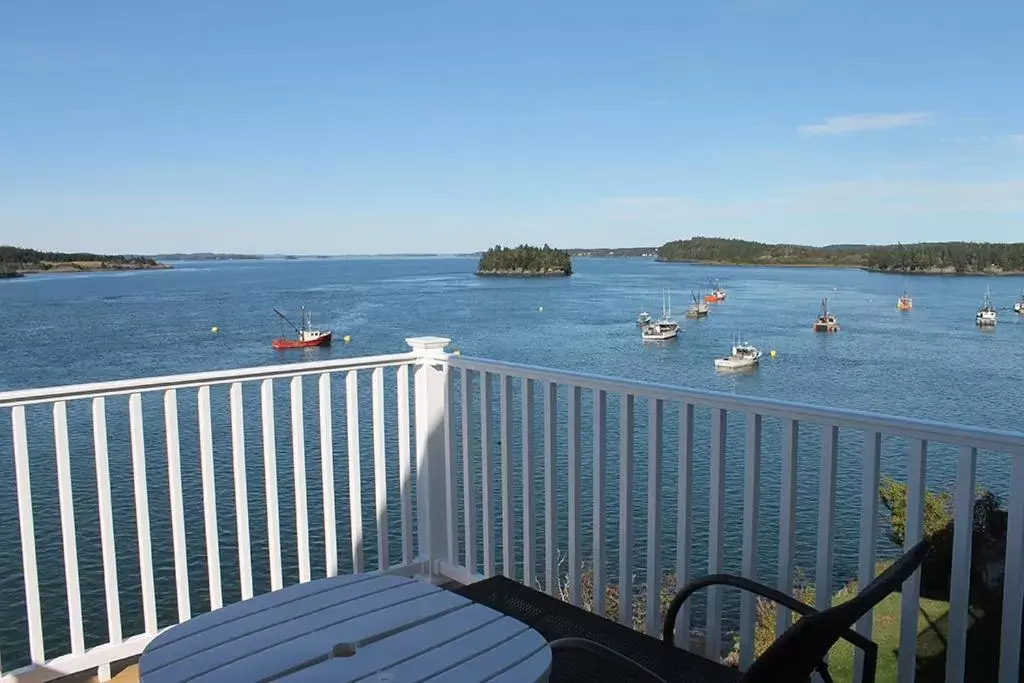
(525, 261)
(928, 258)
(16, 261)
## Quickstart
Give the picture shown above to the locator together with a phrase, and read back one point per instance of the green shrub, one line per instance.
(937, 514)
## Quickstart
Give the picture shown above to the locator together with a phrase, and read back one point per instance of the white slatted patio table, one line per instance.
(365, 627)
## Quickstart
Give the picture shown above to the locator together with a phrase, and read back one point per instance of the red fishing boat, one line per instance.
(307, 335)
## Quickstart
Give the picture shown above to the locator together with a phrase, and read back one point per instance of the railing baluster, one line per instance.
(910, 593)
(355, 485)
(241, 490)
(327, 475)
(751, 500)
(405, 462)
(684, 523)
(468, 482)
(138, 443)
(508, 531)
(600, 452)
(529, 524)
(487, 470)
(380, 474)
(868, 534)
(106, 514)
(174, 487)
(67, 526)
(575, 555)
(626, 510)
(787, 519)
(270, 483)
(1013, 577)
(826, 517)
(209, 497)
(551, 579)
(28, 536)
(716, 532)
(960, 578)
(299, 475)
(652, 619)
(451, 490)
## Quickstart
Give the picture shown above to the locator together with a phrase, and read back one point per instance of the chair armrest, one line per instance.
(604, 652)
(668, 631)
(857, 640)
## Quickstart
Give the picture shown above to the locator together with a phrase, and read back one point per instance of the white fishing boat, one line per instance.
(644, 318)
(659, 331)
(986, 316)
(742, 357)
(1018, 305)
(664, 327)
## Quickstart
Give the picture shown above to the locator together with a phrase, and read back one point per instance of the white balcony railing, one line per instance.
(163, 508)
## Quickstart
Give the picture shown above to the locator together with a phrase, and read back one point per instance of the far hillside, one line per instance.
(922, 258)
(15, 261)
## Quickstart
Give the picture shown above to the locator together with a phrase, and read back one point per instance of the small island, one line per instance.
(525, 261)
(928, 258)
(16, 262)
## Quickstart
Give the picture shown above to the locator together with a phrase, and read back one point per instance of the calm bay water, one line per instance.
(929, 363)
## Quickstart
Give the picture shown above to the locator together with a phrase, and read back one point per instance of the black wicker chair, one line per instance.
(590, 648)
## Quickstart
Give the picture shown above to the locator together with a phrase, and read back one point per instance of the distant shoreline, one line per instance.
(87, 267)
(915, 273)
(693, 262)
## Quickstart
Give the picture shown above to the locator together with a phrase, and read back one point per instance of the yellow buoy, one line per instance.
(215, 329)
(457, 352)
(772, 353)
(346, 339)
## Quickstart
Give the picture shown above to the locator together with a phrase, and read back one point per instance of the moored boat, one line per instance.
(742, 357)
(660, 331)
(644, 319)
(664, 327)
(716, 295)
(826, 321)
(307, 335)
(698, 309)
(986, 315)
(1018, 305)
(904, 303)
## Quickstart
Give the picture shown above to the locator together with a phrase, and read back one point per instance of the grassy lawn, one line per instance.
(886, 632)
(982, 639)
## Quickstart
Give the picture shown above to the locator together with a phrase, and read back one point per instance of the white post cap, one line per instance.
(428, 346)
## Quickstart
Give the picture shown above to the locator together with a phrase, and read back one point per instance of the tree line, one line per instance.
(525, 260)
(13, 258)
(930, 257)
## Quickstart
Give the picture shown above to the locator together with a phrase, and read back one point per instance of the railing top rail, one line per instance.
(961, 435)
(144, 384)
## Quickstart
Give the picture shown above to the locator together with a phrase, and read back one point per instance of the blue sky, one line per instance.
(342, 127)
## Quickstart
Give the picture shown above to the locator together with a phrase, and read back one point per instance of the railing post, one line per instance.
(431, 402)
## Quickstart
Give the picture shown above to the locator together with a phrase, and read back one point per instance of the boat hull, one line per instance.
(733, 364)
(282, 344)
(661, 336)
(825, 327)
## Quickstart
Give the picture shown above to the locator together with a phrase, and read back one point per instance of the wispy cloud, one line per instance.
(859, 123)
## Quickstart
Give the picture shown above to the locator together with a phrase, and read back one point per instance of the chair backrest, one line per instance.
(795, 654)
